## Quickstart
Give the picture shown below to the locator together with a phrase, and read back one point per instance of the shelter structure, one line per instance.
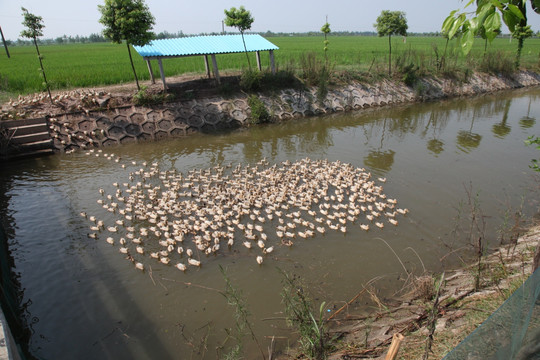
(204, 46)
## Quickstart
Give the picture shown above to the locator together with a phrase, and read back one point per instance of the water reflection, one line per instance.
(435, 146)
(527, 122)
(380, 160)
(502, 129)
(466, 139)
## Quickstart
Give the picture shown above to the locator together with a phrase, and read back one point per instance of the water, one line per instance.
(84, 301)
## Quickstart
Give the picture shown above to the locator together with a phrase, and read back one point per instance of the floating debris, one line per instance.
(168, 215)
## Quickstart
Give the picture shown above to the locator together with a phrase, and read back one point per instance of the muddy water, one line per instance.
(84, 300)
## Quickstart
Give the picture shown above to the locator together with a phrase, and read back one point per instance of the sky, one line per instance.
(81, 17)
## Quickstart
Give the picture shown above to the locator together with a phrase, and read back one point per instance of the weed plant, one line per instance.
(241, 316)
(143, 97)
(310, 324)
(259, 114)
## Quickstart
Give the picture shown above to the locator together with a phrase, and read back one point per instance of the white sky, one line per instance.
(80, 17)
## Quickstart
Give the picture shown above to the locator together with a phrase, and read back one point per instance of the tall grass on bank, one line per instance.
(98, 64)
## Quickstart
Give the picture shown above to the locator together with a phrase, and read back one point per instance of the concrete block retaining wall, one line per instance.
(132, 124)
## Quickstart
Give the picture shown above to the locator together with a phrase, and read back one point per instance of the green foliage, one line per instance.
(324, 79)
(259, 113)
(410, 74)
(254, 80)
(497, 63)
(326, 30)
(34, 28)
(311, 326)
(127, 20)
(241, 19)
(33, 24)
(487, 20)
(143, 97)
(534, 140)
(391, 23)
(251, 80)
(521, 33)
(99, 64)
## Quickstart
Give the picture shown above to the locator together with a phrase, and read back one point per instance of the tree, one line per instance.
(489, 15)
(34, 28)
(391, 23)
(241, 19)
(129, 21)
(326, 30)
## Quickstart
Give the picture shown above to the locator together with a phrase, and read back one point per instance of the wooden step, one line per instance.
(28, 129)
(33, 146)
(22, 122)
(30, 138)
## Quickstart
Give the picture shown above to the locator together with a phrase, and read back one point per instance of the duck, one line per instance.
(194, 262)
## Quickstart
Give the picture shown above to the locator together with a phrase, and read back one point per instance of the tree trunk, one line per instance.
(133, 67)
(390, 55)
(245, 49)
(43, 70)
(536, 261)
(518, 54)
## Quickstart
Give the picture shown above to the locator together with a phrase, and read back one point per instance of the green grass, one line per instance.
(87, 65)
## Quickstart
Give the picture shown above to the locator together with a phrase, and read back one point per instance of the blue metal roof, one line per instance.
(204, 45)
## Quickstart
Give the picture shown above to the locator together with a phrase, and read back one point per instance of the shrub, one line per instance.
(144, 97)
(259, 114)
(410, 74)
(311, 69)
(497, 63)
(251, 80)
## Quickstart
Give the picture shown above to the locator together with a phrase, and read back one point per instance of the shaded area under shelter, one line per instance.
(204, 46)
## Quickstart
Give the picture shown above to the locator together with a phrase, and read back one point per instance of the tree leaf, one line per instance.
(510, 20)
(448, 22)
(497, 4)
(535, 4)
(467, 41)
(515, 10)
(456, 26)
(492, 24)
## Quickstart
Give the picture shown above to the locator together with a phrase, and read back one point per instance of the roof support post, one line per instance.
(216, 72)
(150, 71)
(206, 66)
(272, 62)
(162, 73)
(258, 56)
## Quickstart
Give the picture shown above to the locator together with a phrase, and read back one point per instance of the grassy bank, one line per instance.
(97, 64)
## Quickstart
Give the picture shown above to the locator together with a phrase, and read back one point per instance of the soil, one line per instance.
(370, 336)
(183, 87)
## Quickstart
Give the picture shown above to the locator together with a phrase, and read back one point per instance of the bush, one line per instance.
(254, 80)
(311, 69)
(497, 63)
(251, 80)
(410, 74)
(259, 114)
(144, 97)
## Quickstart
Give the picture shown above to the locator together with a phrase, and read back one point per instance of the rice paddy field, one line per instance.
(96, 64)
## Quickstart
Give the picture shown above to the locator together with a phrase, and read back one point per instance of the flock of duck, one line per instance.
(181, 219)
